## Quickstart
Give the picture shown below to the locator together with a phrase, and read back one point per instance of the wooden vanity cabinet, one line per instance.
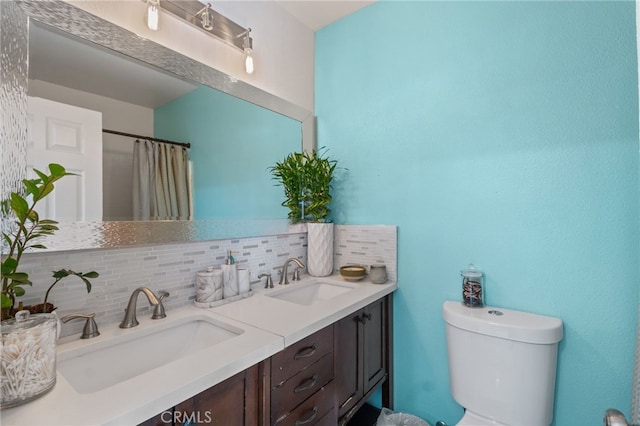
(235, 401)
(321, 380)
(301, 383)
(362, 348)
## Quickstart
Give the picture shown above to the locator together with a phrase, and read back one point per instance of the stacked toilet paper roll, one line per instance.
(209, 285)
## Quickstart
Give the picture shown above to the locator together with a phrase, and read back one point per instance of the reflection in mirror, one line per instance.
(20, 19)
(233, 142)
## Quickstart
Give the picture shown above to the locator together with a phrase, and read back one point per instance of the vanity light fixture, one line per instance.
(153, 14)
(248, 51)
(207, 20)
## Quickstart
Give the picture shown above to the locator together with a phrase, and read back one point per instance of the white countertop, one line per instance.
(268, 325)
(295, 322)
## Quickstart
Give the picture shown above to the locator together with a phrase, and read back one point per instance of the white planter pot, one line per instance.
(320, 249)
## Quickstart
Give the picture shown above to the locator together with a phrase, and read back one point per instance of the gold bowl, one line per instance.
(353, 272)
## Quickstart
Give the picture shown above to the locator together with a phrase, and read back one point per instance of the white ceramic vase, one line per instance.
(319, 249)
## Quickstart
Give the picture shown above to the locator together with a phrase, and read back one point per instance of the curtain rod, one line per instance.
(131, 135)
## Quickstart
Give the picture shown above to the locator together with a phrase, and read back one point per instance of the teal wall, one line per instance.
(233, 144)
(503, 134)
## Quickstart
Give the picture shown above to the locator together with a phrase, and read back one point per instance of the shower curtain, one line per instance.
(161, 182)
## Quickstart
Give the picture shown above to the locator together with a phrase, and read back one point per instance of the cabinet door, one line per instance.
(163, 419)
(374, 356)
(232, 402)
(348, 348)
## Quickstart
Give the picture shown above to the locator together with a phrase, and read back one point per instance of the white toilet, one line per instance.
(502, 364)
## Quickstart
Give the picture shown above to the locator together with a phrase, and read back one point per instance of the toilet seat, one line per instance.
(471, 419)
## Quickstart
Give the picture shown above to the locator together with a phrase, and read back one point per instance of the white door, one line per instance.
(72, 137)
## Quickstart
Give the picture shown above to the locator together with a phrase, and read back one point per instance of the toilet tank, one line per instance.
(502, 363)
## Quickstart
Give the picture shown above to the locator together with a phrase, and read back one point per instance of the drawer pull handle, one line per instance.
(307, 384)
(309, 419)
(363, 318)
(305, 352)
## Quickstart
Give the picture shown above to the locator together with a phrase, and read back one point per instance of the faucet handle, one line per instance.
(90, 327)
(158, 310)
(296, 274)
(269, 281)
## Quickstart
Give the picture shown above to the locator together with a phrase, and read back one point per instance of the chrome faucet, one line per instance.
(284, 279)
(130, 319)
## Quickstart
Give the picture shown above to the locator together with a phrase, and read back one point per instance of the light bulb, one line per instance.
(207, 19)
(153, 14)
(248, 49)
(248, 61)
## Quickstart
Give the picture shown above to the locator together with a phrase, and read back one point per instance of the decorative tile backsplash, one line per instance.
(173, 267)
(170, 267)
(366, 245)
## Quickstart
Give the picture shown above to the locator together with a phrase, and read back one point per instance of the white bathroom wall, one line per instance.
(283, 47)
(117, 150)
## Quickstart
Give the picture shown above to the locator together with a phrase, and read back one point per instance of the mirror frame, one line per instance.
(16, 17)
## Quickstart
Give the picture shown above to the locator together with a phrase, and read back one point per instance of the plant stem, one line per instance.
(46, 295)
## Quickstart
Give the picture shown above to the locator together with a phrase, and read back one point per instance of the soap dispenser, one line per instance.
(230, 276)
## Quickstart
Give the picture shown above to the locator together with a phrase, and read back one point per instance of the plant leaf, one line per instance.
(42, 176)
(87, 283)
(9, 266)
(92, 274)
(57, 170)
(19, 206)
(6, 302)
(32, 187)
(61, 273)
(19, 278)
(46, 190)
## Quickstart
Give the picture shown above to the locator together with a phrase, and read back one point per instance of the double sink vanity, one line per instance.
(309, 353)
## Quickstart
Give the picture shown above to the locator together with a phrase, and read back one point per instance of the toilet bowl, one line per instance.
(502, 364)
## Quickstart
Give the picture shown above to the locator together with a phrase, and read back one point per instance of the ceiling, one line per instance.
(316, 14)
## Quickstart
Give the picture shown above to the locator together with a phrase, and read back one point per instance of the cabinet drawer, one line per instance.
(329, 419)
(287, 396)
(288, 362)
(315, 411)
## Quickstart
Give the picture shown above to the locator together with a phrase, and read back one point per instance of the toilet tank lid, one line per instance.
(503, 323)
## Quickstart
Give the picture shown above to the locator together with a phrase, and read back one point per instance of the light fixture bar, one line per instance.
(220, 26)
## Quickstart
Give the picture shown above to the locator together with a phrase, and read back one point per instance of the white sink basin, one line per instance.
(97, 366)
(310, 293)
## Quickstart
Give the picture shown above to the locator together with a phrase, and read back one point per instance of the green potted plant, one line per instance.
(28, 352)
(306, 178)
(24, 234)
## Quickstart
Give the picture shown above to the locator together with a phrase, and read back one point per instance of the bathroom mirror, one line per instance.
(233, 142)
(23, 20)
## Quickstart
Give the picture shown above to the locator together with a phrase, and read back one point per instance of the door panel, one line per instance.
(374, 344)
(348, 362)
(72, 137)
